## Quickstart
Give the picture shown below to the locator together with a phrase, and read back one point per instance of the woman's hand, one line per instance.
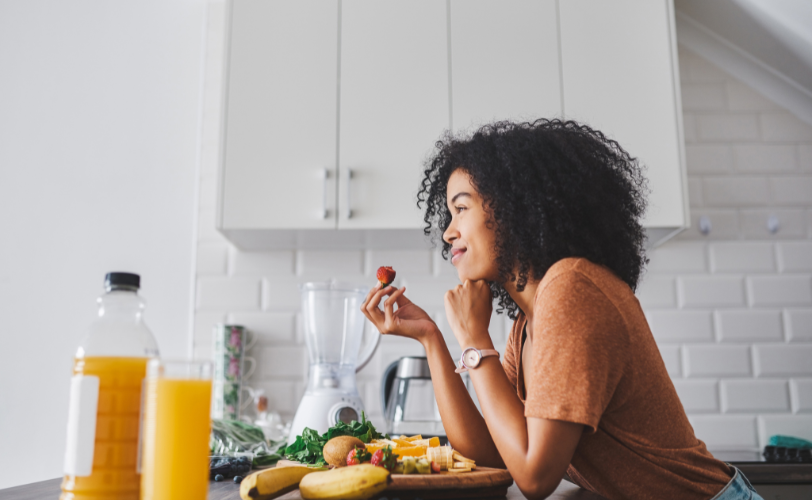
(408, 321)
(468, 309)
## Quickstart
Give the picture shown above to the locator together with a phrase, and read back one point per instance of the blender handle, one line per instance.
(367, 356)
(386, 385)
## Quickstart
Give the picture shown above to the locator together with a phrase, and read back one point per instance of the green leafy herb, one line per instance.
(308, 446)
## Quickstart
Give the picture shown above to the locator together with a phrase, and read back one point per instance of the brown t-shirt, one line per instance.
(595, 363)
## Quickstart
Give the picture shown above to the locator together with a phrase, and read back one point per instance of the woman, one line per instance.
(544, 217)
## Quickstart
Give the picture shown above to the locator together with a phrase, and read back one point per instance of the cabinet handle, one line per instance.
(325, 174)
(349, 203)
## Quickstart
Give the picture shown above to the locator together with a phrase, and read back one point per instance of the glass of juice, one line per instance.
(177, 423)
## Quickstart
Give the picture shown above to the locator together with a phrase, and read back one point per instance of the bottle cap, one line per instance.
(122, 281)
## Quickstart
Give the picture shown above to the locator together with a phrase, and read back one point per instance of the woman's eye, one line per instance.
(459, 209)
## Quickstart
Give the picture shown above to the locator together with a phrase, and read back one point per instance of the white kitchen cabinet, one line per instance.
(620, 76)
(504, 61)
(394, 106)
(360, 90)
(280, 139)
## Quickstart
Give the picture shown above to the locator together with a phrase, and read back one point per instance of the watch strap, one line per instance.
(484, 353)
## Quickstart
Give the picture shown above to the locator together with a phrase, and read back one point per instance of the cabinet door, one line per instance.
(504, 61)
(280, 134)
(394, 106)
(620, 77)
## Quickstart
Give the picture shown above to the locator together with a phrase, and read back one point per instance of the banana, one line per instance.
(271, 483)
(357, 482)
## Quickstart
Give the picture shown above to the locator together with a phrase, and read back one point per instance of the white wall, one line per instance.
(99, 105)
(732, 311)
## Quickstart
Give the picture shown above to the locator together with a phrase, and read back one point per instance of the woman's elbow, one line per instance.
(537, 489)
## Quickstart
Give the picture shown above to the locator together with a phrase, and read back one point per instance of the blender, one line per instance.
(334, 328)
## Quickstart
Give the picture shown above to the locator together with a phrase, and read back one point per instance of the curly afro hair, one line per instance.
(552, 189)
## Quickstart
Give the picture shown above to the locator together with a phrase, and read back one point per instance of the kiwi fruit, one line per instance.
(336, 450)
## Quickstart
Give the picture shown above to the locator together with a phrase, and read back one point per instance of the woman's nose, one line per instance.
(450, 234)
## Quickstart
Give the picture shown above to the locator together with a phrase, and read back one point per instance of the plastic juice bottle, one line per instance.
(101, 456)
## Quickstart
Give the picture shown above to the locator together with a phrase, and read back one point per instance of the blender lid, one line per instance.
(332, 285)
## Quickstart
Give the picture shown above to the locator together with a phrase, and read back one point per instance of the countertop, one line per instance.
(227, 490)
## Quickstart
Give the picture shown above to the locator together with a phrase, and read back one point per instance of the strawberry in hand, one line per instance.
(386, 275)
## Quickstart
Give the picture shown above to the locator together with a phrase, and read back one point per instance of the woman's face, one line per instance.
(472, 242)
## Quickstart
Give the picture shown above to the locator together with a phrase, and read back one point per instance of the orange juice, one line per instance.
(175, 463)
(115, 452)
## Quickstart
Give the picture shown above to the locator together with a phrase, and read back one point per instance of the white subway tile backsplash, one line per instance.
(429, 292)
(742, 256)
(799, 426)
(717, 361)
(726, 431)
(792, 224)
(801, 391)
(708, 158)
(228, 293)
(727, 127)
(689, 128)
(698, 396)
(784, 127)
(281, 362)
(740, 97)
(280, 294)
(405, 262)
(753, 396)
(212, 259)
(766, 158)
(681, 326)
(280, 395)
(656, 291)
(710, 291)
(724, 225)
(795, 257)
(271, 263)
(792, 190)
(805, 156)
(736, 191)
(739, 326)
(703, 96)
(269, 327)
(799, 324)
(695, 192)
(677, 256)
(330, 261)
(783, 360)
(672, 359)
(779, 290)
(205, 322)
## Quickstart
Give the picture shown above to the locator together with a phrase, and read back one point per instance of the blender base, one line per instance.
(322, 410)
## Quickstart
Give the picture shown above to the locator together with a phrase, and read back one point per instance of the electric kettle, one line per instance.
(407, 397)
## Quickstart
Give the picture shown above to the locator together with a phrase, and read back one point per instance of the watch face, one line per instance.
(471, 358)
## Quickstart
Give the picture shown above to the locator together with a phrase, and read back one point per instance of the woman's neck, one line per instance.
(523, 299)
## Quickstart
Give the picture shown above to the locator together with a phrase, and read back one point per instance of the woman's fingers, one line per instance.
(389, 305)
(373, 312)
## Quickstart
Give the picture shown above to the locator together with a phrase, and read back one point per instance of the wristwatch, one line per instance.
(472, 356)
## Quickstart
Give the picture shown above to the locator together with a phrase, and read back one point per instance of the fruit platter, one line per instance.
(355, 462)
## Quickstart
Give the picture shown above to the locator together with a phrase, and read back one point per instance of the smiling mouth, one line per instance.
(456, 254)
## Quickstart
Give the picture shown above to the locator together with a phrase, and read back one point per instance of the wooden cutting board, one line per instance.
(482, 483)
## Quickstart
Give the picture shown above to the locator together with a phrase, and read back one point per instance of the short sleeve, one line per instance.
(579, 352)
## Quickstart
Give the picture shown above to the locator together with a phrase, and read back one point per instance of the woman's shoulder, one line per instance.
(573, 274)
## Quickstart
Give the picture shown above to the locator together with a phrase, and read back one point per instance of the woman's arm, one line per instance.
(536, 451)
(464, 425)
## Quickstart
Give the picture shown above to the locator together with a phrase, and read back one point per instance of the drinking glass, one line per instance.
(177, 424)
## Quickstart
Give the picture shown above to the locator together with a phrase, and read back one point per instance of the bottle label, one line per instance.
(84, 402)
